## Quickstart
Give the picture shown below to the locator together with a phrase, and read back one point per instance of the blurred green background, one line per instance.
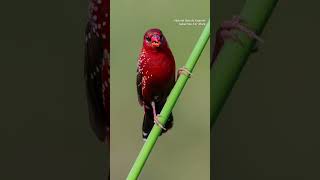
(45, 131)
(269, 126)
(183, 152)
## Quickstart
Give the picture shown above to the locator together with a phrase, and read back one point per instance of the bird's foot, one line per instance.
(184, 71)
(156, 116)
(236, 23)
(157, 122)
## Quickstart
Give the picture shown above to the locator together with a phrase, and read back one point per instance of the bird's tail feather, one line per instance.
(148, 122)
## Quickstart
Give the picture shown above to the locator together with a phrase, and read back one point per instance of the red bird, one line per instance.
(97, 68)
(155, 79)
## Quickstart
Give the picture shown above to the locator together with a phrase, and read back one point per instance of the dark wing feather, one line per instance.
(94, 83)
(139, 87)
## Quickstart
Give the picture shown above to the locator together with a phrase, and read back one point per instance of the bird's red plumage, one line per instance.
(155, 73)
(99, 18)
(97, 67)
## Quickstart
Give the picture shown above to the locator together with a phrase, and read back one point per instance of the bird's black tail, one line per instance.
(148, 121)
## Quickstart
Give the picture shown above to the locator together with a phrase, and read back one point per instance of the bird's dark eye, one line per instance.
(148, 39)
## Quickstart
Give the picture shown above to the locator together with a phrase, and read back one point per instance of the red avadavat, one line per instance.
(155, 79)
(97, 67)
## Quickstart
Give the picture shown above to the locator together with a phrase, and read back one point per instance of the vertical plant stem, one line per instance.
(233, 56)
(170, 103)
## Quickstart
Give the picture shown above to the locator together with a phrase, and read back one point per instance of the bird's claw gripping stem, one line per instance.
(239, 24)
(184, 71)
(157, 122)
(156, 117)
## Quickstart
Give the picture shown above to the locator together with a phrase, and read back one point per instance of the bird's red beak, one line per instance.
(155, 44)
(155, 41)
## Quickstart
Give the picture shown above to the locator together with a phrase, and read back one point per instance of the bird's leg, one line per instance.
(184, 71)
(156, 116)
(237, 23)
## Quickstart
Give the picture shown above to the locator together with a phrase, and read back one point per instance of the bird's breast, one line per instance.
(158, 71)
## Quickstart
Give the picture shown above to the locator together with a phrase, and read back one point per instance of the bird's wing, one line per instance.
(94, 83)
(139, 87)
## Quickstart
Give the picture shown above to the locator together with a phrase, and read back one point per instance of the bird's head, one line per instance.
(154, 39)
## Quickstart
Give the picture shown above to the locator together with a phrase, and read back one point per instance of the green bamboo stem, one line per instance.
(233, 56)
(170, 103)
